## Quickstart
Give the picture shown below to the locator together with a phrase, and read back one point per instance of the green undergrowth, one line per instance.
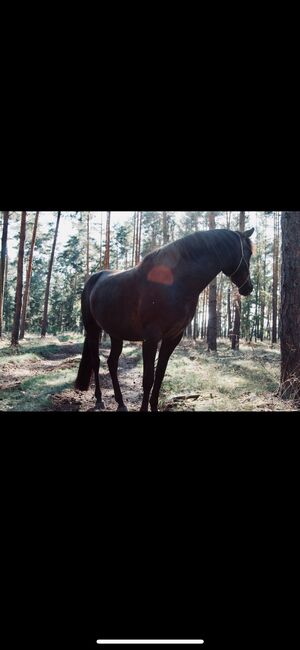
(195, 380)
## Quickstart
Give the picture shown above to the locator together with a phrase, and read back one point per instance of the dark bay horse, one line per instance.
(154, 302)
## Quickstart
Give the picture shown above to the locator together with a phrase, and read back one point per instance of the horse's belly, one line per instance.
(116, 327)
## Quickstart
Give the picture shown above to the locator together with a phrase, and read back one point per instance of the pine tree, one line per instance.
(106, 263)
(275, 278)
(47, 292)
(28, 278)
(87, 246)
(235, 341)
(3, 266)
(290, 306)
(165, 227)
(19, 287)
(212, 306)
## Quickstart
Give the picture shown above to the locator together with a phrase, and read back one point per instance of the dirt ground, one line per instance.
(40, 375)
(20, 371)
(130, 378)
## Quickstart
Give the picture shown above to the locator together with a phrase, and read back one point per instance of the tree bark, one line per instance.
(219, 306)
(140, 237)
(138, 231)
(107, 242)
(235, 340)
(47, 292)
(133, 239)
(3, 265)
(165, 227)
(28, 278)
(196, 324)
(87, 246)
(263, 296)
(275, 280)
(203, 312)
(101, 241)
(19, 288)
(290, 306)
(229, 321)
(242, 221)
(212, 306)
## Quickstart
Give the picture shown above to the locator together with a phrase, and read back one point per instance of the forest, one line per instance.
(238, 353)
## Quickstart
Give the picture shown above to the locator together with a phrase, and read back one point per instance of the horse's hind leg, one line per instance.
(167, 347)
(112, 362)
(93, 340)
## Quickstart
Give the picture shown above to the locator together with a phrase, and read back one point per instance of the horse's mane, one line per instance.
(191, 246)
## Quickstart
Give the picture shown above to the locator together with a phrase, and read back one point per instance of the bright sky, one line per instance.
(68, 226)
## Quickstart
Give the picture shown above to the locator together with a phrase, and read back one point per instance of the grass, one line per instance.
(29, 386)
(35, 393)
(244, 380)
(225, 381)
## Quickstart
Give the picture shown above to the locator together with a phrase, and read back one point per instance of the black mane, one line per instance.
(192, 246)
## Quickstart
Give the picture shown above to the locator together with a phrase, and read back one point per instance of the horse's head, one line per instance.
(240, 275)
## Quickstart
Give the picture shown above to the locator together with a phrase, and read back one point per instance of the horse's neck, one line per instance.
(200, 261)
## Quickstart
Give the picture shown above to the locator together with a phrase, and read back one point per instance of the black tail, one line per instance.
(92, 332)
(85, 369)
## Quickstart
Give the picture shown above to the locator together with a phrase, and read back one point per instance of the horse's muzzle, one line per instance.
(247, 289)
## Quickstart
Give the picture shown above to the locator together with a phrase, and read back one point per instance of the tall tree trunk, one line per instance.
(212, 307)
(242, 221)
(290, 306)
(101, 240)
(229, 321)
(219, 306)
(269, 316)
(256, 316)
(140, 237)
(19, 288)
(87, 246)
(3, 265)
(137, 238)
(235, 341)
(196, 323)
(28, 278)
(205, 302)
(275, 279)
(165, 227)
(6, 297)
(107, 242)
(263, 296)
(47, 292)
(137, 244)
(202, 312)
(133, 239)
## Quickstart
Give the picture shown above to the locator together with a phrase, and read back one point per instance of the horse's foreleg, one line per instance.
(112, 362)
(167, 347)
(149, 352)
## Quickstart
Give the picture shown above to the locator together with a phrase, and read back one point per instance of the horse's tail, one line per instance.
(85, 369)
(92, 336)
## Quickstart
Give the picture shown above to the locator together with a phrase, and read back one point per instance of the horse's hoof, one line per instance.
(122, 408)
(100, 406)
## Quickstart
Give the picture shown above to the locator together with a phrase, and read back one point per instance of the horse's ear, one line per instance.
(248, 233)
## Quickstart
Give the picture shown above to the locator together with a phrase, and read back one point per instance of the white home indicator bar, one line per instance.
(150, 641)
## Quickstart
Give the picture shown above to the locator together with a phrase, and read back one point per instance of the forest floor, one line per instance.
(39, 376)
